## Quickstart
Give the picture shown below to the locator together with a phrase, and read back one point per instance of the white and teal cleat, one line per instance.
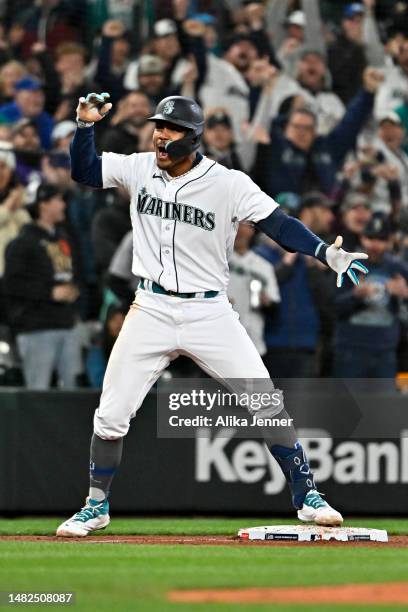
(318, 511)
(94, 515)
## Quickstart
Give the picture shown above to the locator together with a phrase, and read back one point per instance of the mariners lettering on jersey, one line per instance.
(174, 211)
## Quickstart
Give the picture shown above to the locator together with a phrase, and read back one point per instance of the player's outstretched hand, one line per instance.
(93, 107)
(343, 262)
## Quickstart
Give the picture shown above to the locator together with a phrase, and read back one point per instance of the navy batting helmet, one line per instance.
(186, 113)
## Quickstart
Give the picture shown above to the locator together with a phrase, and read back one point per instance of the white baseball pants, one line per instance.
(156, 330)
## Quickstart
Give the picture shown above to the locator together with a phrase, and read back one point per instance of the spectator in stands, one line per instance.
(218, 139)
(253, 23)
(243, 54)
(314, 82)
(211, 33)
(390, 137)
(29, 103)
(262, 77)
(395, 34)
(56, 169)
(402, 112)
(120, 284)
(41, 286)
(41, 65)
(129, 130)
(291, 31)
(371, 172)
(82, 206)
(151, 78)
(98, 354)
(252, 290)
(305, 313)
(295, 24)
(346, 56)
(355, 214)
(394, 90)
(70, 78)
(10, 73)
(259, 76)
(224, 86)
(317, 214)
(289, 202)
(113, 59)
(12, 213)
(62, 135)
(54, 20)
(28, 151)
(109, 226)
(166, 46)
(241, 51)
(296, 159)
(362, 172)
(309, 87)
(380, 170)
(358, 44)
(368, 327)
(129, 12)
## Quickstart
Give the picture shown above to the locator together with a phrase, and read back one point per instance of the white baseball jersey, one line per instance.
(244, 269)
(184, 227)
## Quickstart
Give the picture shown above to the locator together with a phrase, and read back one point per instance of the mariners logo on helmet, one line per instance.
(168, 107)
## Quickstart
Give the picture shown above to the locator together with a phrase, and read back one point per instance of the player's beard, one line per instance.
(170, 165)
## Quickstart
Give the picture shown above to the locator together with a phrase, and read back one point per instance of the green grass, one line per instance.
(126, 577)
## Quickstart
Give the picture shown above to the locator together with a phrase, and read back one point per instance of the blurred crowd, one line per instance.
(309, 97)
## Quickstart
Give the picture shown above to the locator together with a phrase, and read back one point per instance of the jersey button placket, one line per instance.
(167, 227)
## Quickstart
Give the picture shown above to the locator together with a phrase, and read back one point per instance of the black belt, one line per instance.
(155, 288)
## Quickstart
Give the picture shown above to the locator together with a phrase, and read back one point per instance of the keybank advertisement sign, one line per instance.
(377, 467)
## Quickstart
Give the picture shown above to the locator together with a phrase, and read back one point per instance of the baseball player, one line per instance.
(185, 211)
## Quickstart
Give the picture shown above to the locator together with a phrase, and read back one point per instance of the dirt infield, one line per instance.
(389, 593)
(400, 541)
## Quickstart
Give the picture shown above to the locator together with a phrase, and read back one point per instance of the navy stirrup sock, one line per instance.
(298, 474)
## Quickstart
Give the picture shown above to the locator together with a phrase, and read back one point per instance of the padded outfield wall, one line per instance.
(44, 453)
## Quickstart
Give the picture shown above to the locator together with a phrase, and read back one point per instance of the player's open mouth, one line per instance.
(161, 153)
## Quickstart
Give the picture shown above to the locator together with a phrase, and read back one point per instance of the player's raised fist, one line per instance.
(93, 107)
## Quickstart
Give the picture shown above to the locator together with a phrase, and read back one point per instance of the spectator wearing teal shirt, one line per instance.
(402, 111)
